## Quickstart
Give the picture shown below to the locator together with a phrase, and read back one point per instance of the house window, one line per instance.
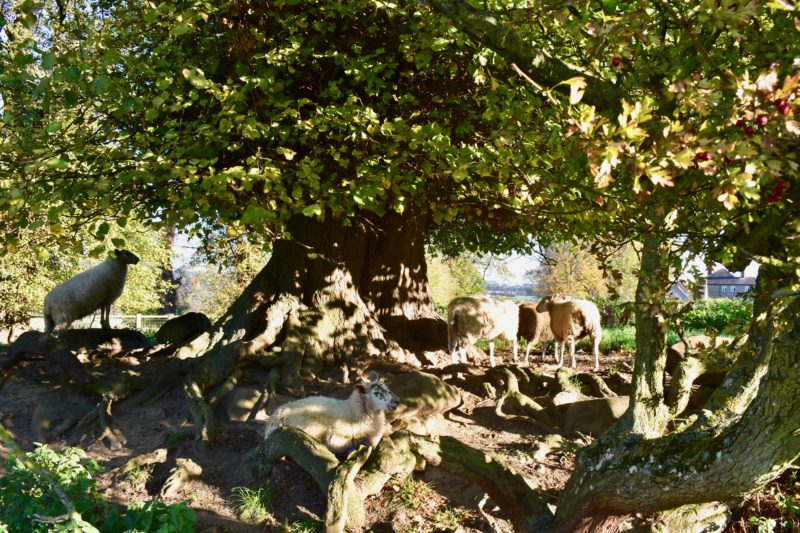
(733, 288)
(724, 288)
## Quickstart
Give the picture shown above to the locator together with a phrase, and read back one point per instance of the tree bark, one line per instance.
(329, 294)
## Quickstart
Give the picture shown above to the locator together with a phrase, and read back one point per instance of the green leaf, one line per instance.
(100, 84)
(48, 60)
(286, 152)
(181, 29)
(197, 78)
(253, 213)
(313, 210)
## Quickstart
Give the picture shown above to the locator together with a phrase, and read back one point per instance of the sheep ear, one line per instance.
(373, 377)
(361, 387)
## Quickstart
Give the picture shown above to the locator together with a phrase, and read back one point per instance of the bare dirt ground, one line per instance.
(432, 501)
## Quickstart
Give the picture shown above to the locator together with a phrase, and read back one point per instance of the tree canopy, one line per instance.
(368, 127)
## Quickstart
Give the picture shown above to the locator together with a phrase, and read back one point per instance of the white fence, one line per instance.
(140, 322)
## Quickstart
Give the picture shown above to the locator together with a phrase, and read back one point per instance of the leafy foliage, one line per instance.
(26, 492)
(722, 315)
(450, 277)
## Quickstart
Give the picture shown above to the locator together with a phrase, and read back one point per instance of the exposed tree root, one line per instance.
(397, 455)
(184, 470)
(523, 407)
(527, 510)
(345, 501)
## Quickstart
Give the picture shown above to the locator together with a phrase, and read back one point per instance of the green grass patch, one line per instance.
(254, 506)
(614, 339)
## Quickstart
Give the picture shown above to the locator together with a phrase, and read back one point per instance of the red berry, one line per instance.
(740, 123)
(777, 192)
(779, 103)
(616, 60)
(762, 120)
(783, 109)
(749, 130)
(702, 156)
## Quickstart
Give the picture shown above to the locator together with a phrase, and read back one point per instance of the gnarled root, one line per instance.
(398, 456)
(524, 407)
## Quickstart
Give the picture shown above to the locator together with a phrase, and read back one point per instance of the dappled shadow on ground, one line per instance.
(431, 501)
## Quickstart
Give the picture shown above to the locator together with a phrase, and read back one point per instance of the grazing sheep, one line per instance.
(470, 318)
(534, 327)
(84, 293)
(341, 425)
(571, 320)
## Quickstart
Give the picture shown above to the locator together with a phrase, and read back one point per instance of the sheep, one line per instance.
(534, 327)
(84, 293)
(341, 425)
(470, 318)
(572, 320)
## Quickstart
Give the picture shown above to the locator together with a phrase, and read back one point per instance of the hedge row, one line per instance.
(722, 315)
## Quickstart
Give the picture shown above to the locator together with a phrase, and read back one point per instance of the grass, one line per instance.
(254, 506)
(176, 437)
(304, 525)
(412, 494)
(614, 339)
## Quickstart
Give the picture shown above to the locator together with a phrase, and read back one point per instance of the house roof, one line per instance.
(731, 281)
(724, 277)
(721, 273)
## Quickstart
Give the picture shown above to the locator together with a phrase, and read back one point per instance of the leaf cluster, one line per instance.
(27, 498)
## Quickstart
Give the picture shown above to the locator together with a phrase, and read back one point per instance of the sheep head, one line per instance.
(376, 394)
(125, 256)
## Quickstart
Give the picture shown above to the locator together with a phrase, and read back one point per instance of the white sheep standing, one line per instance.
(341, 425)
(571, 320)
(534, 327)
(84, 293)
(470, 318)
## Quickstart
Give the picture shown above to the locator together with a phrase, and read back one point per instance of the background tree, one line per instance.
(450, 277)
(569, 269)
(218, 273)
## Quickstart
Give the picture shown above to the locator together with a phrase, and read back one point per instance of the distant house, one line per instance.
(723, 284)
(679, 291)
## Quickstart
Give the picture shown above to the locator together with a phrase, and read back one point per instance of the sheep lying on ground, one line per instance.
(84, 293)
(341, 425)
(470, 318)
(571, 320)
(534, 327)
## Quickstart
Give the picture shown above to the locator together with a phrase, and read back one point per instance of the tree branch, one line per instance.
(541, 68)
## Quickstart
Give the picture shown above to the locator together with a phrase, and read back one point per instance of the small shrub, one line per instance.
(28, 490)
(137, 474)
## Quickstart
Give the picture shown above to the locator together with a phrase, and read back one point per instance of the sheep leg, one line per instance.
(491, 353)
(463, 352)
(453, 357)
(516, 349)
(596, 343)
(527, 352)
(105, 315)
(572, 349)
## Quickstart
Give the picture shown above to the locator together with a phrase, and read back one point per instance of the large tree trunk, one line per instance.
(329, 294)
